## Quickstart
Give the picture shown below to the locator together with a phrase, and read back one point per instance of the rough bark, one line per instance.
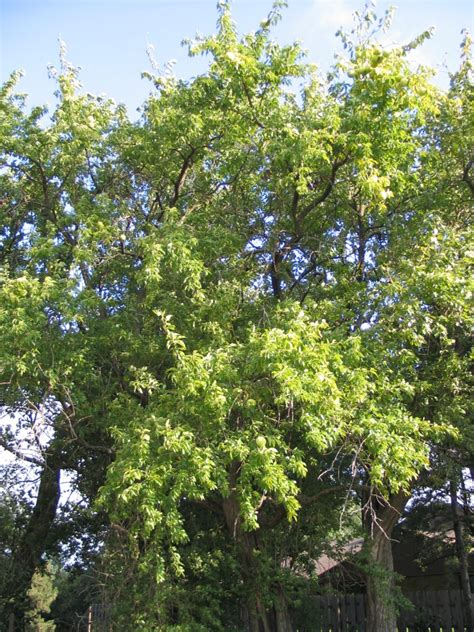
(255, 614)
(380, 520)
(28, 554)
(282, 614)
(381, 616)
(461, 553)
(257, 617)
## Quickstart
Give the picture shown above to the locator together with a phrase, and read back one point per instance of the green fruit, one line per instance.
(261, 442)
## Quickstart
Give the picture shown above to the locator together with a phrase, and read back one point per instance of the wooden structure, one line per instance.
(439, 611)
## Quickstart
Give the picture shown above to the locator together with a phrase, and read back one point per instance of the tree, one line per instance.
(41, 595)
(15, 511)
(227, 313)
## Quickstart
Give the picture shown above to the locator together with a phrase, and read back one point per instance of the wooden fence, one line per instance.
(439, 611)
(432, 612)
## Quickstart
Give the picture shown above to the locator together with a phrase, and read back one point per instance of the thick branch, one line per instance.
(19, 454)
(280, 511)
(466, 177)
(178, 185)
(326, 192)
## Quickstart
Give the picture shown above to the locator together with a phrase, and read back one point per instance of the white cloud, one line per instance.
(333, 13)
(315, 23)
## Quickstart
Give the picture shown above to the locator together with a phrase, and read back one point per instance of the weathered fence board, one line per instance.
(360, 612)
(439, 611)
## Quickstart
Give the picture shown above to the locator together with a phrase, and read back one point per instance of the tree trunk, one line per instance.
(256, 615)
(461, 553)
(381, 615)
(282, 614)
(27, 556)
(381, 518)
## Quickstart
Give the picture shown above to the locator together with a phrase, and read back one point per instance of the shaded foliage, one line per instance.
(236, 317)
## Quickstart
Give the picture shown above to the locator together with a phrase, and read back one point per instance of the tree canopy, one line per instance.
(237, 317)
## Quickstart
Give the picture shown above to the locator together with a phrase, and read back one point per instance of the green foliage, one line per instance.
(41, 595)
(256, 295)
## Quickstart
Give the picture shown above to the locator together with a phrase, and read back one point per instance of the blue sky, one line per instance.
(108, 38)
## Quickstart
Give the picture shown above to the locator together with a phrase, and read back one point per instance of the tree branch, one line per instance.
(19, 455)
(325, 194)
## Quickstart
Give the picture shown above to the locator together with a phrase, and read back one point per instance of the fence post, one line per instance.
(11, 622)
(89, 619)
